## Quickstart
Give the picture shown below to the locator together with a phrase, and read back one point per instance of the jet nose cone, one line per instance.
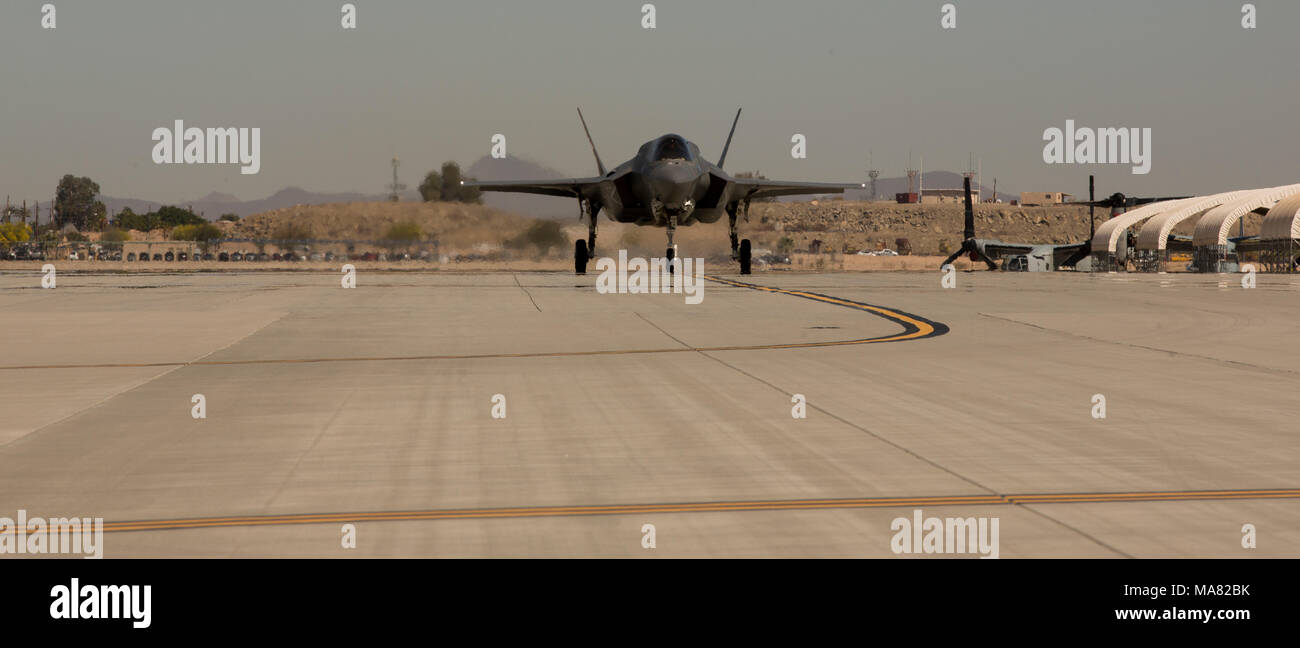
(674, 184)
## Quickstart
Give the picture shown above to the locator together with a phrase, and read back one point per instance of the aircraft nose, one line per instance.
(673, 184)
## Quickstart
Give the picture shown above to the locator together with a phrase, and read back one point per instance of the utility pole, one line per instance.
(911, 173)
(872, 173)
(396, 187)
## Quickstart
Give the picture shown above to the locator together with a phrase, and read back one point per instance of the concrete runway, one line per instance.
(373, 406)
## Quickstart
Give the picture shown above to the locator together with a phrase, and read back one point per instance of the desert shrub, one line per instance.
(404, 232)
(542, 234)
(198, 232)
(114, 235)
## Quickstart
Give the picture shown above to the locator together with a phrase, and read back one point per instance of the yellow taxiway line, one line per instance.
(914, 328)
(698, 507)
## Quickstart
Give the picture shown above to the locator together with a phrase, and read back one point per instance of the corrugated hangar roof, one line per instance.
(1213, 228)
(1107, 236)
(1282, 221)
(1155, 233)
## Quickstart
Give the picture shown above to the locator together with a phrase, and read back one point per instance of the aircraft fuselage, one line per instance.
(668, 179)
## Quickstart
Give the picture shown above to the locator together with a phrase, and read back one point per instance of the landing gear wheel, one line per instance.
(670, 254)
(580, 257)
(745, 257)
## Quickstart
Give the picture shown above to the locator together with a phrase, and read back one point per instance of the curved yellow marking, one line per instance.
(923, 328)
(696, 507)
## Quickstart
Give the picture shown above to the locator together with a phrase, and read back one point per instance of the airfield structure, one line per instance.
(1152, 248)
(396, 187)
(1109, 244)
(1213, 249)
(1278, 245)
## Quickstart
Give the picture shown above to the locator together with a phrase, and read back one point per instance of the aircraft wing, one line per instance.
(563, 187)
(752, 188)
(1073, 253)
(998, 249)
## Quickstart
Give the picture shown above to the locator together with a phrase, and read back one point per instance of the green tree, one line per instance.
(234, 218)
(127, 214)
(127, 219)
(169, 216)
(431, 187)
(452, 189)
(98, 217)
(451, 181)
(74, 201)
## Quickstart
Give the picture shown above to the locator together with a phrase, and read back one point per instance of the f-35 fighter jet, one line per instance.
(668, 184)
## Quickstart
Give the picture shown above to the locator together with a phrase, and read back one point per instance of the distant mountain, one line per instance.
(218, 197)
(213, 205)
(513, 168)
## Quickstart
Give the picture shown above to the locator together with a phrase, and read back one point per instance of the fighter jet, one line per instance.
(668, 184)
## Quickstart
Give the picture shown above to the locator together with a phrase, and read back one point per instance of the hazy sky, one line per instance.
(434, 80)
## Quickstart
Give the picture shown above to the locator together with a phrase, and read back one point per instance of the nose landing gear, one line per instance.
(671, 253)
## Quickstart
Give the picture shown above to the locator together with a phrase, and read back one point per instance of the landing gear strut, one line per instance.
(590, 210)
(583, 251)
(672, 249)
(731, 227)
(740, 249)
(671, 226)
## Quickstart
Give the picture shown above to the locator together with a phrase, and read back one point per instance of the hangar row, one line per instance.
(1143, 238)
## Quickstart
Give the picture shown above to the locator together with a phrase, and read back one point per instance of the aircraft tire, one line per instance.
(580, 257)
(745, 257)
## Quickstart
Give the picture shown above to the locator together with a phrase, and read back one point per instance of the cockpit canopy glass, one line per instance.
(672, 147)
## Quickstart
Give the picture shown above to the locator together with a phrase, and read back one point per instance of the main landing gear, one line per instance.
(740, 249)
(580, 257)
(584, 251)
